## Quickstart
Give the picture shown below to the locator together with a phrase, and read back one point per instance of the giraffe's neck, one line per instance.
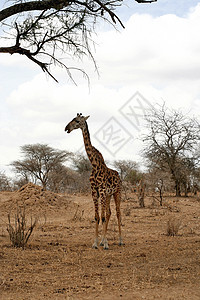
(93, 154)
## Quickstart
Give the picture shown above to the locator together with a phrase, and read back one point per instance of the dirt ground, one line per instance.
(59, 262)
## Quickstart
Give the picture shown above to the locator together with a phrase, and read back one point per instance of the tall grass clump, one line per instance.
(19, 231)
(173, 226)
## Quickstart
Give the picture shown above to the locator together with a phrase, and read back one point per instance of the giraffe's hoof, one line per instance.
(121, 244)
(101, 244)
(94, 246)
(105, 246)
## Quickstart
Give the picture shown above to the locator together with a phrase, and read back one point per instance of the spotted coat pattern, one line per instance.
(104, 181)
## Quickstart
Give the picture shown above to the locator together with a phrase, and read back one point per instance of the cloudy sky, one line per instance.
(155, 58)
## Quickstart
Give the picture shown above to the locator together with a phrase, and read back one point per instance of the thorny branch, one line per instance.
(145, 1)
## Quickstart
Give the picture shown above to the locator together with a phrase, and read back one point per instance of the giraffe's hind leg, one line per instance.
(117, 197)
(104, 241)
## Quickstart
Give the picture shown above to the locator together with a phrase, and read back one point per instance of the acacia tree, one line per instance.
(128, 171)
(42, 30)
(158, 181)
(81, 164)
(5, 184)
(39, 161)
(83, 167)
(171, 142)
(62, 179)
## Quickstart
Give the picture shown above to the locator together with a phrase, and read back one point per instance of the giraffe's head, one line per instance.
(77, 122)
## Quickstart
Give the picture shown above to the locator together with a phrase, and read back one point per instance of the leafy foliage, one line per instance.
(39, 161)
(128, 171)
(81, 164)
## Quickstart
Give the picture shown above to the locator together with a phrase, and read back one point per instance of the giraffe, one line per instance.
(104, 182)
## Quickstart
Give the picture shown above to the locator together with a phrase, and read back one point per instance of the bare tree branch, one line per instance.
(61, 26)
(145, 1)
(32, 6)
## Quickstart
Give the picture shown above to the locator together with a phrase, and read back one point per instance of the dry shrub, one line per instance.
(127, 211)
(20, 233)
(78, 215)
(173, 226)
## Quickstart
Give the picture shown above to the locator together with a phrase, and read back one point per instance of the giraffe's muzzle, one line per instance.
(67, 129)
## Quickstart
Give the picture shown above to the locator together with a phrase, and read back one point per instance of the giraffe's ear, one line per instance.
(86, 118)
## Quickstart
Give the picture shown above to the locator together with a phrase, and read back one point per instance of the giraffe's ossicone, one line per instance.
(104, 181)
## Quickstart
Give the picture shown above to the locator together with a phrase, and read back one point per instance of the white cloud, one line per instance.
(165, 48)
(157, 56)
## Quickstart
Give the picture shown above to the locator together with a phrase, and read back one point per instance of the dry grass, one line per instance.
(78, 214)
(127, 211)
(173, 226)
(59, 262)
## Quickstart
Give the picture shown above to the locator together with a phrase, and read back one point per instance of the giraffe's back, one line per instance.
(106, 179)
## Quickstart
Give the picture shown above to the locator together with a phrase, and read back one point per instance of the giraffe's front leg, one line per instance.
(95, 245)
(104, 241)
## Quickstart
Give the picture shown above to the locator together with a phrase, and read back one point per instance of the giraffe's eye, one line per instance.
(77, 121)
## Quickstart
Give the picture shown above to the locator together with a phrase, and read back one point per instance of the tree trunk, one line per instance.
(161, 192)
(44, 185)
(178, 188)
(141, 193)
(161, 196)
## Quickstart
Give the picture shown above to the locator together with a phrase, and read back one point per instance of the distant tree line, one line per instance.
(171, 152)
(61, 171)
